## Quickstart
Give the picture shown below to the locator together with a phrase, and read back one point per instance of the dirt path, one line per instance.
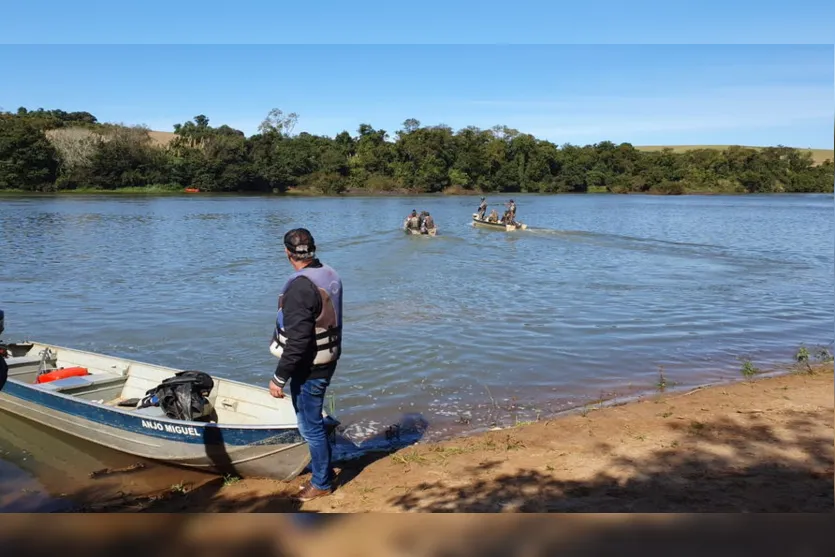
(755, 446)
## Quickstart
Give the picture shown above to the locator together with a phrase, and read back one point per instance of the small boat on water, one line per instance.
(248, 433)
(414, 232)
(419, 231)
(498, 225)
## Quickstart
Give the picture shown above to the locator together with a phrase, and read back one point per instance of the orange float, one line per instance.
(61, 374)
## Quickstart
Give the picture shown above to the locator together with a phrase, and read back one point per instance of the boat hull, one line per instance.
(498, 225)
(277, 454)
(246, 450)
(413, 232)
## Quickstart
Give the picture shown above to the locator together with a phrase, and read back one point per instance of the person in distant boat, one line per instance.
(510, 214)
(307, 341)
(413, 220)
(482, 209)
(494, 216)
(428, 223)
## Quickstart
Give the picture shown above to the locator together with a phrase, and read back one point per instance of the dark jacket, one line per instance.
(302, 304)
(4, 372)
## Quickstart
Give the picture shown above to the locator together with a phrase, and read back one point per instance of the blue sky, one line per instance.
(426, 21)
(643, 94)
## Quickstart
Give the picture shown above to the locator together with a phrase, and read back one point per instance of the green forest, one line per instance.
(53, 150)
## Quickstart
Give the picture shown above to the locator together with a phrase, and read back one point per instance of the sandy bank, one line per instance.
(753, 446)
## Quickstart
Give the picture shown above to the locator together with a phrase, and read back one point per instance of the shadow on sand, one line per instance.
(711, 466)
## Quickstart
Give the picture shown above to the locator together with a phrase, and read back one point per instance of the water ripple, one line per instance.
(472, 326)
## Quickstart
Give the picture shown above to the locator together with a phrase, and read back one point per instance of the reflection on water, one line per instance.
(41, 468)
(467, 329)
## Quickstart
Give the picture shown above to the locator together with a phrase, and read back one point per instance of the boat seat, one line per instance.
(78, 382)
(21, 365)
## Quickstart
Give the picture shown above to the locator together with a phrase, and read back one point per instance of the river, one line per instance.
(468, 329)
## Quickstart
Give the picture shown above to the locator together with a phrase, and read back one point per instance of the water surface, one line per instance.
(470, 328)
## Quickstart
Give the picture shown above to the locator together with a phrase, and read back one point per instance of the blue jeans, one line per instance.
(308, 401)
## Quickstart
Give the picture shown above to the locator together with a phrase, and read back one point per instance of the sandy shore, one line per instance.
(761, 445)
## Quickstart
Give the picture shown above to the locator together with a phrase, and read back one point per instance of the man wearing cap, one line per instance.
(308, 342)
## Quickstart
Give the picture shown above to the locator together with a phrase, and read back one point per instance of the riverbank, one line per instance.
(762, 445)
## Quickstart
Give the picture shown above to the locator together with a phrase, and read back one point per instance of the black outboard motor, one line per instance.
(4, 368)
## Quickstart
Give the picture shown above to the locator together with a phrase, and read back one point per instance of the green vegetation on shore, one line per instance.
(58, 151)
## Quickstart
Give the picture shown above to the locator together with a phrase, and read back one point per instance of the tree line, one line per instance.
(54, 150)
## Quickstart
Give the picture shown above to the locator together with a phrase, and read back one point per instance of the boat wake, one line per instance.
(719, 253)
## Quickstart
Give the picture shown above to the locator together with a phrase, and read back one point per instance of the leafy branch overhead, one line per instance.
(50, 150)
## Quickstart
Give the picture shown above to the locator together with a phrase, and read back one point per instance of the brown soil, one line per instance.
(753, 446)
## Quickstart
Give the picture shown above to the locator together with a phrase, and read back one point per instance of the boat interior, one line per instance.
(111, 381)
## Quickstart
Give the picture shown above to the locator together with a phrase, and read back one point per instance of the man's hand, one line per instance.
(276, 391)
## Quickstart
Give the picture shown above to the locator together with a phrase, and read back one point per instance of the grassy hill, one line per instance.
(818, 155)
(161, 138)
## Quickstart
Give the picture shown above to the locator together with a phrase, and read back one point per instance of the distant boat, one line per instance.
(249, 433)
(418, 232)
(498, 225)
(192, 190)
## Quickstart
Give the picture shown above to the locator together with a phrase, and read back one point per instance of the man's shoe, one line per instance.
(309, 492)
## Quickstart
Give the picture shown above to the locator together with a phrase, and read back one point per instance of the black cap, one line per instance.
(300, 241)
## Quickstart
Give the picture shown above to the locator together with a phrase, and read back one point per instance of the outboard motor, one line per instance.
(2, 321)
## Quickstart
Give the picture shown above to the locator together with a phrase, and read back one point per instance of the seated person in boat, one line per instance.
(494, 216)
(412, 221)
(482, 209)
(428, 222)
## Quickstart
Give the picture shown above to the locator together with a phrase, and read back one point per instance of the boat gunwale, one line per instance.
(132, 413)
(501, 225)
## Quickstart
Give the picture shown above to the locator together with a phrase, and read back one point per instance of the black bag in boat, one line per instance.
(183, 397)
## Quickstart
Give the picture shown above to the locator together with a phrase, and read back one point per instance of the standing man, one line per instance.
(482, 208)
(308, 342)
(511, 212)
